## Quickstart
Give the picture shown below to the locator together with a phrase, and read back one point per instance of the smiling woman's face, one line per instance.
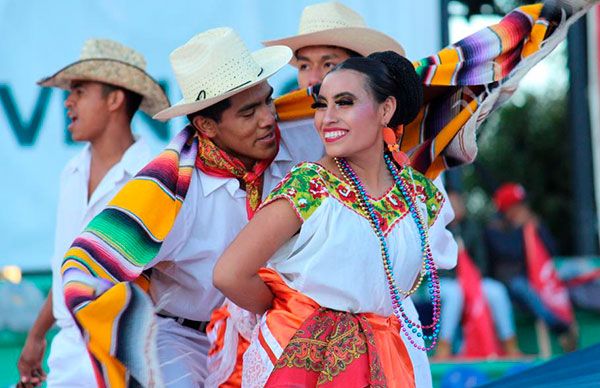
(348, 117)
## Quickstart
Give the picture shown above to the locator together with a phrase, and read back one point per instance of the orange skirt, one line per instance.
(307, 345)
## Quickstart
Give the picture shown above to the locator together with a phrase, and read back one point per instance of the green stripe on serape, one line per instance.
(124, 234)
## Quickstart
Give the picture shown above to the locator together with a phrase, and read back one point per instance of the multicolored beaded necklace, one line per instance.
(409, 327)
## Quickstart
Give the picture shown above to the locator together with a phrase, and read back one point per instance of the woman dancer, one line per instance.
(343, 240)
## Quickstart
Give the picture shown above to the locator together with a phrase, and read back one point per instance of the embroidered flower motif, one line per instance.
(439, 197)
(397, 203)
(421, 195)
(292, 192)
(317, 189)
(346, 193)
(302, 202)
(383, 222)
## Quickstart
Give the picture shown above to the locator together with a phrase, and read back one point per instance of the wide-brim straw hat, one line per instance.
(215, 65)
(110, 62)
(334, 24)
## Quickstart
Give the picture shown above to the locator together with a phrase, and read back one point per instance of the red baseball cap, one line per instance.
(507, 195)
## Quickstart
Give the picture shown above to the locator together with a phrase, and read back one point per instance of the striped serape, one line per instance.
(464, 82)
(115, 315)
(102, 269)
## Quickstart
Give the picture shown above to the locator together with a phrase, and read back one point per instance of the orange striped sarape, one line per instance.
(466, 81)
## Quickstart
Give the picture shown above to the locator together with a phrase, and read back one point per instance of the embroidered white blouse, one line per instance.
(336, 260)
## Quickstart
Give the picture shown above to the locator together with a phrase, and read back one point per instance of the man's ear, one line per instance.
(205, 126)
(115, 99)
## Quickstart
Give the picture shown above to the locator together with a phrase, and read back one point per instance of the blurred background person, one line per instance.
(521, 247)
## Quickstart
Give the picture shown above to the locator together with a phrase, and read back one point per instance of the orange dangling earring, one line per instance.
(389, 137)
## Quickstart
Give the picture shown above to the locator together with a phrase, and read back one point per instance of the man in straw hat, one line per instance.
(330, 33)
(173, 220)
(107, 85)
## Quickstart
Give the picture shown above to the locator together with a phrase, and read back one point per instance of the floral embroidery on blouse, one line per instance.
(308, 184)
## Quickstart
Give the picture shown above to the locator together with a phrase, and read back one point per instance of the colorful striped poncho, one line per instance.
(102, 271)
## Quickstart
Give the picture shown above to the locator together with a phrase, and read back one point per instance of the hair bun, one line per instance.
(409, 97)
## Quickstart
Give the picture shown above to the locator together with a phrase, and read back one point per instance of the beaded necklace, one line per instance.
(409, 327)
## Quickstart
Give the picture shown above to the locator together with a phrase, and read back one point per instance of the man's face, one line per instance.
(316, 61)
(87, 107)
(247, 128)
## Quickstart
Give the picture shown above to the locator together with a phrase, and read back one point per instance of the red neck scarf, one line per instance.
(213, 161)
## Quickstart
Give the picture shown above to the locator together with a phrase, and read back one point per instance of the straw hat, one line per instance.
(110, 62)
(215, 65)
(334, 24)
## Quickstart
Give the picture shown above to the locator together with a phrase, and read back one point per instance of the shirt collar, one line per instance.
(282, 161)
(211, 183)
(134, 158)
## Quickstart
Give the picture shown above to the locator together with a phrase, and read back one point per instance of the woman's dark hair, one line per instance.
(390, 74)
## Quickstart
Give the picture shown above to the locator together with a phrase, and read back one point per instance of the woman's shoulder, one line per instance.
(302, 175)
(304, 187)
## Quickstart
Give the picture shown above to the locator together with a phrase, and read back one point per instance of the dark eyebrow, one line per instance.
(344, 94)
(339, 95)
(323, 58)
(254, 104)
(330, 56)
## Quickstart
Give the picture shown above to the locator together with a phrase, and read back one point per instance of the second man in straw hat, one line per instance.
(328, 34)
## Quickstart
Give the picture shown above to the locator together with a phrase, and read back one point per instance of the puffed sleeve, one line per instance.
(303, 188)
(437, 211)
(443, 244)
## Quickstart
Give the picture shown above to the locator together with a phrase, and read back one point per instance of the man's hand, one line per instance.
(30, 362)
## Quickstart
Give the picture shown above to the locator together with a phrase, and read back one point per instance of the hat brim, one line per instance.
(271, 59)
(113, 72)
(362, 40)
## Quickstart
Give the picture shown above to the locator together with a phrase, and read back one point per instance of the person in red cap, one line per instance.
(509, 200)
(520, 248)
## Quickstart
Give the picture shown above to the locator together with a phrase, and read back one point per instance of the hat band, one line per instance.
(202, 93)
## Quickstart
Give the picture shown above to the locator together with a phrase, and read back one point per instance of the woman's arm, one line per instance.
(236, 271)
